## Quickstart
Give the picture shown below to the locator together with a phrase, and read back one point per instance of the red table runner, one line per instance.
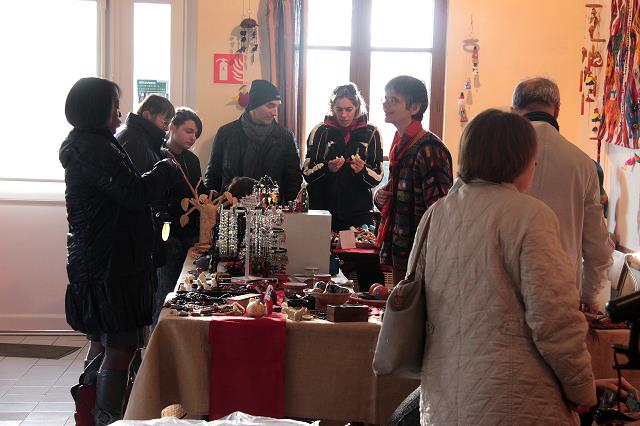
(247, 365)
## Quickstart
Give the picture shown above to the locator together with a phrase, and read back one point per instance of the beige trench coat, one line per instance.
(506, 343)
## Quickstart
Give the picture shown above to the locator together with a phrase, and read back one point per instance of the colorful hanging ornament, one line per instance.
(462, 109)
(248, 35)
(467, 88)
(595, 119)
(470, 44)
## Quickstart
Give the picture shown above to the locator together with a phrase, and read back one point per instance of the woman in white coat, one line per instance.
(507, 342)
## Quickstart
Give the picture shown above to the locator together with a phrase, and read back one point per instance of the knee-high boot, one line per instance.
(110, 390)
(84, 393)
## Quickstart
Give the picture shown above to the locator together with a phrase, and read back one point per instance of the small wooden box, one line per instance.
(347, 313)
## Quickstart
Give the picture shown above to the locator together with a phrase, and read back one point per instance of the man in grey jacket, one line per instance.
(566, 180)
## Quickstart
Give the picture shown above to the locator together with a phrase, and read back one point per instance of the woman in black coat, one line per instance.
(109, 264)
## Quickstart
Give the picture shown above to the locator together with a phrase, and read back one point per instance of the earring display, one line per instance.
(253, 231)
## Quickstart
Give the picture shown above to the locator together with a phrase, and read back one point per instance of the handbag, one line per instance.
(400, 347)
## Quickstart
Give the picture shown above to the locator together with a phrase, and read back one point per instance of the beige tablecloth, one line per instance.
(328, 373)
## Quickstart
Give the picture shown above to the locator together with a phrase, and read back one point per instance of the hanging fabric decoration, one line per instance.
(467, 88)
(462, 109)
(591, 70)
(248, 35)
(620, 115)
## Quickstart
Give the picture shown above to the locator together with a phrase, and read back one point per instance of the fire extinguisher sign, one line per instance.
(228, 68)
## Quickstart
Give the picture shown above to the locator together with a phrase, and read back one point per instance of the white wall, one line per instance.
(622, 185)
(33, 277)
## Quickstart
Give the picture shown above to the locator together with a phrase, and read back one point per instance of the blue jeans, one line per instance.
(176, 249)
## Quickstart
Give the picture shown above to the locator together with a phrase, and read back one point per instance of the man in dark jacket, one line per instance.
(142, 137)
(255, 145)
(144, 132)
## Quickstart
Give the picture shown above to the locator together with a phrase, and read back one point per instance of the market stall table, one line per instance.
(328, 372)
(328, 369)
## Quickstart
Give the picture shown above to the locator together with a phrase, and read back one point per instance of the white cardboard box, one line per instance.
(308, 241)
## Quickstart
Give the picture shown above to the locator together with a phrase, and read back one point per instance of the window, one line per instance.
(369, 42)
(124, 40)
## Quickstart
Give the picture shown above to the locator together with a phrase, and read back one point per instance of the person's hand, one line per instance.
(612, 384)
(382, 196)
(335, 164)
(592, 308)
(357, 163)
(580, 409)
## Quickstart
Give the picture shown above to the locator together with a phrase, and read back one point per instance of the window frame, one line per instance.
(361, 49)
(114, 61)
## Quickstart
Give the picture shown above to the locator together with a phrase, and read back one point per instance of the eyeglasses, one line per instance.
(391, 100)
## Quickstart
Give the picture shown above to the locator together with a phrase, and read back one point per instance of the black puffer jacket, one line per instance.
(109, 260)
(142, 140)
(234, 155)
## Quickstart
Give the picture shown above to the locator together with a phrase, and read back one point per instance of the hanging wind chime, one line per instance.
(469, 45)
(248, 35)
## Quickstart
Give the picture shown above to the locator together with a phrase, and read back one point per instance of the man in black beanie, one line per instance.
(256, 145)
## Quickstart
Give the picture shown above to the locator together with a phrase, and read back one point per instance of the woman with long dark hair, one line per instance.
(109, 264)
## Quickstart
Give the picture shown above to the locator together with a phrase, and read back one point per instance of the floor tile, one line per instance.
(12, 416)
(37, 382)
(11, 398)
(58, 407)
(55, 390)
(45, 372)
(40, 340)
(58, 397)
(70, 341)
(46, 418)
(19, 407)
(63, 362)
(29, 390)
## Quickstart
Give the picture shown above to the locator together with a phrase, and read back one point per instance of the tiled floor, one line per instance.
(35, 391)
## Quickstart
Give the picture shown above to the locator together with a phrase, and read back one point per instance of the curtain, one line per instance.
(287, 44)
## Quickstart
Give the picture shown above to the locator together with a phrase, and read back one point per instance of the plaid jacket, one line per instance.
(424, 175)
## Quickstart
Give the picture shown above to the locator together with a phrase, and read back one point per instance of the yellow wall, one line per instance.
(518, 39)
(217, 33)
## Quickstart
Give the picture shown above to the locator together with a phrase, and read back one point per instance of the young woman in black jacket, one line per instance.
(109, 264)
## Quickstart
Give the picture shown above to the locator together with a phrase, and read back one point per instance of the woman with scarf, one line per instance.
(420, 172)
(344, 161)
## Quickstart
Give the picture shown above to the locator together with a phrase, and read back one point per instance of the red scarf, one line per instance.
(399, 147)
(357, 123)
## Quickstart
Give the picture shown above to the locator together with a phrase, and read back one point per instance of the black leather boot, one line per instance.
(84, 393)
(110, 390)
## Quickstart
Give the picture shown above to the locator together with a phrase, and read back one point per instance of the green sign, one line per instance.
(148, 87)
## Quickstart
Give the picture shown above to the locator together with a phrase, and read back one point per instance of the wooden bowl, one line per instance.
(324, 299)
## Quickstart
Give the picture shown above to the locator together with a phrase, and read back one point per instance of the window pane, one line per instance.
(385, 66)
(151, 50)
(52, 57)
(391, 26)
(329, 23)
(326, 69)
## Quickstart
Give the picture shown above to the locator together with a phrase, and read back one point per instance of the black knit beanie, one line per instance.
(260, 93)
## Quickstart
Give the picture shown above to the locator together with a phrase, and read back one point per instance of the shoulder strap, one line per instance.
(421, 241)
